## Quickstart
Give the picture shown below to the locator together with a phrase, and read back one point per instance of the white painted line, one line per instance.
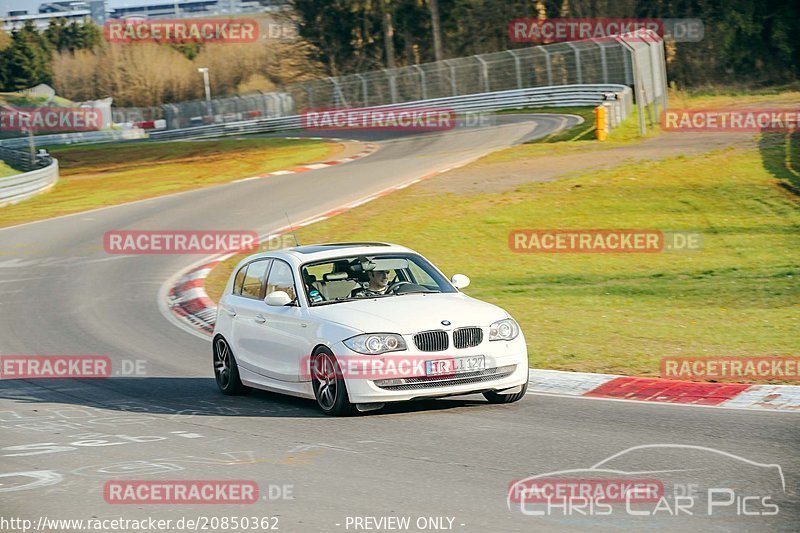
(312, 221)
(362, 201)
(281, 172)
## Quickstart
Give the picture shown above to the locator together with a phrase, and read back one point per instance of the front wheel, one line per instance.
(496, 397)
(329, 386)
(226, 371)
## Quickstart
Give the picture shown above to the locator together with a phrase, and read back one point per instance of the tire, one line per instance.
(495, 397)
(329, 386)
(226, 371)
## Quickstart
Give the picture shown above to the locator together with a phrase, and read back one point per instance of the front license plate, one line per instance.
(455, 365)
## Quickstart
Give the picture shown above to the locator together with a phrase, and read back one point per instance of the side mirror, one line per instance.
(459, 281)
(277, 299)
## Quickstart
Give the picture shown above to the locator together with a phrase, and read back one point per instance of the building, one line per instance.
(191, 8)
(100, 11)
(73, 10)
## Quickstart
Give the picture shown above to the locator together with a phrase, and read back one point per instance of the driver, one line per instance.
(378, 284)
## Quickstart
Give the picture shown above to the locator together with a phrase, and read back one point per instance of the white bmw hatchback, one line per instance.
(356, 325)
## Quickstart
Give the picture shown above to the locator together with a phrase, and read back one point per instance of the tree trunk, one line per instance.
(388, 33)
(433, 5)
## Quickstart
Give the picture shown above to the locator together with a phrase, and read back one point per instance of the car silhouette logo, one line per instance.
(445, 322)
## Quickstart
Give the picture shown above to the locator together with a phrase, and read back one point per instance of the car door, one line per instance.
(246, 307)
(286, 328)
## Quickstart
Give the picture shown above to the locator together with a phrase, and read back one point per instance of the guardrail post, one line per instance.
(364, 89)
(579, 78)
(337, 90)
(392, 84)
(484, 72)
(548, 64)
(421, 81)
(603, 62)
(452, 76)
(518, 67)
(310, 92)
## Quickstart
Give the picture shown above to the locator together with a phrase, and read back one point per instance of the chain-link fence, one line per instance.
(636, 60)
(233, 109)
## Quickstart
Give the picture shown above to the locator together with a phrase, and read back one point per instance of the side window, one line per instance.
(251, 288)
(420, 276)
(281, 279)
(237, 282)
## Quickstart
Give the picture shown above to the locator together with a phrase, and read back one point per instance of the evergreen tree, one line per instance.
(27, 61)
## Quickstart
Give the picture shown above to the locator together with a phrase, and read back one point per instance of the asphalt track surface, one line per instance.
(62, 440)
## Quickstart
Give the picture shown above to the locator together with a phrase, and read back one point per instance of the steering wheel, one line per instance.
(394, 286)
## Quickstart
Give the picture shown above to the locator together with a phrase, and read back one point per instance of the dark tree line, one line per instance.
(26, 59)
(747, 42)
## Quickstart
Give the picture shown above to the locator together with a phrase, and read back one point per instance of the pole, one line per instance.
(204, 71)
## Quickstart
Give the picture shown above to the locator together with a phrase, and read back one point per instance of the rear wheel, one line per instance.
(329, 386)
(496, 397)
(226, 371)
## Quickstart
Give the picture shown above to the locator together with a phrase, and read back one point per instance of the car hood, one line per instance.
(410, 313)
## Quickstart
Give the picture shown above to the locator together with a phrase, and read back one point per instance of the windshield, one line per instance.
(370, 276)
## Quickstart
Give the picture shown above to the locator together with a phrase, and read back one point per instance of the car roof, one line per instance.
(317, 252)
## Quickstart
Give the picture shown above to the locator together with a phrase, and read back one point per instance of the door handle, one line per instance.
(231, 312)
(260, 319)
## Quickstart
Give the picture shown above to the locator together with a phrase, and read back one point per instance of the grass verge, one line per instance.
(618, 313)
(108, 174)
(6, 170)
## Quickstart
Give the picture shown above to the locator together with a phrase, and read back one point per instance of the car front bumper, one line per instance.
(506, 367)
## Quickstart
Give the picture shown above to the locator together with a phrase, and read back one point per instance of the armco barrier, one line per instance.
(557, 96)
(75, 138)
(21, 186)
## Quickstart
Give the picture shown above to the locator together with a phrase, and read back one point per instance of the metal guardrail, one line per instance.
(44, 169)
(557, 96)
(42, 176)
(75, 138)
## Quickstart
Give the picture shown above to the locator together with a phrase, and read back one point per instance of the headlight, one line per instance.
(503, 330)
(376, 343)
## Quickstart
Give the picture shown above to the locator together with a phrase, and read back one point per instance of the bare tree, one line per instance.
(433, 6)
(388, 32)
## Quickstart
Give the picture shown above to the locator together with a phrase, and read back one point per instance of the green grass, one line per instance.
(6, 170)
(718, 97)
(619, 313)
(108, 174)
